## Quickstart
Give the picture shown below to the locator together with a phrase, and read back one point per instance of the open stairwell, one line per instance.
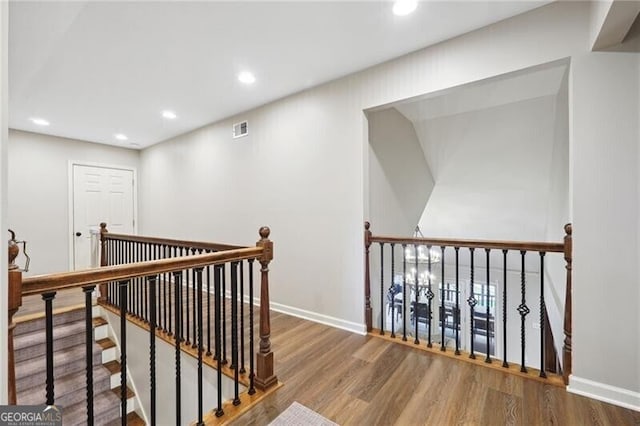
(70, 369)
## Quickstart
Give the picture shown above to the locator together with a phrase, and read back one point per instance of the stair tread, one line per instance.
(102, 402)
(106, 343)
(130, 392)
(98, 321)
(65, 361)
(39, 337)
(30, 324)
(112, 366)
(62, 386)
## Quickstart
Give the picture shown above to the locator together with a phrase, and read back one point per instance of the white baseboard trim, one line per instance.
(353, 327)
(603, 392)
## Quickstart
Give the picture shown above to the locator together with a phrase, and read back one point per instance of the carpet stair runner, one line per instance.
(69, 370)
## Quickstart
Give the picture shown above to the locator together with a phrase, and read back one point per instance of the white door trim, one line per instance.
(73, 163)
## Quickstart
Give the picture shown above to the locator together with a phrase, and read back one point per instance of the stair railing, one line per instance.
(409, 285)
(150, 277)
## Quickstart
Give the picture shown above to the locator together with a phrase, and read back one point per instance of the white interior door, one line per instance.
(100, 194)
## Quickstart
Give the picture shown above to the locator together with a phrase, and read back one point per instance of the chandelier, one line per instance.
(422, 255)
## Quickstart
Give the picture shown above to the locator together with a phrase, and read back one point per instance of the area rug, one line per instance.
(299, 415)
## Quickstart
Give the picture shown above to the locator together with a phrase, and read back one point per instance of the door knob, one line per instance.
(78, 234)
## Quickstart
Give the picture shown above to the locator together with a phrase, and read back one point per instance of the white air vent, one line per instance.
(240, 129)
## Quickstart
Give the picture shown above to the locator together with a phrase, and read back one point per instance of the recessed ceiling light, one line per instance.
(40, 121)
(169, 114)
(246, 77)
(404, 7)
(134, 145)
(120, 137)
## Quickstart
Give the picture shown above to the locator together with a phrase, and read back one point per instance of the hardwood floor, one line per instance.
(365, 380)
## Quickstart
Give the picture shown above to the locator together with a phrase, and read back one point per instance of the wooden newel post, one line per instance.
(265, 376)
(14, 302)
(104, 288)
(367, 279)
(566, 350)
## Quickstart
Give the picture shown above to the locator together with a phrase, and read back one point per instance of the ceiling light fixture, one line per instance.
(169, 114)
(120, 137)
(40, 121)
(246, 77)
(404, 7)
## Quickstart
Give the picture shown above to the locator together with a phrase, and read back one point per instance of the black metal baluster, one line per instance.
(209, 309)
(429, 297)
(163, 277)
(88, 326)
(194, 344)
(48, 309)
(223, 297)
(487, 311)
(417, 298)
(218, 301)
(404, 292)
(242, 369)
(186, 307)
(392, 289)
(153, 281)
(171, 329)
(382, 311)
(543, 308)
(137, 299)
(198, 283)
(456, 314)
(177, 335)
(234, 331)
(472, 305)
(442, 307)
(123, 351)
(505, 363)
(523, 309)
(145, 287)
(252, 389)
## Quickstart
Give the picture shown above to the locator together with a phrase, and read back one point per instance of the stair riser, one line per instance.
(40, 349)
(35, 325)
(59, 370)
(102, 418)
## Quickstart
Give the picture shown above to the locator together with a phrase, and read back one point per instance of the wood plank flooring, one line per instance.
(364, 380)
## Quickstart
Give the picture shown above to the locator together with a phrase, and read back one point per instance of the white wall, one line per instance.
(39, 192)
(301, 168)
(493, 171)
(558, 214)
(4, 12)
(301, 171)
(400, 181)
(606, 324)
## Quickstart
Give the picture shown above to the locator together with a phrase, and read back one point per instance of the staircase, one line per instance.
(70, 369)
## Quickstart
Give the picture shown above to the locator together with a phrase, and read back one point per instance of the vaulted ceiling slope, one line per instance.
(94, 69)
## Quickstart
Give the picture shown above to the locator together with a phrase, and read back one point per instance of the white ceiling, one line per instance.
(94, 69)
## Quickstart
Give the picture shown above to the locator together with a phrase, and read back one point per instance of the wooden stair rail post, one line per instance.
(265, 376)
(368, 317)
(103, 262)
(568, 257)
(14, 302)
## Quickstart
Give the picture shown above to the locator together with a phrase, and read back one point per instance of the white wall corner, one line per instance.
(603, 392)
(611, 21)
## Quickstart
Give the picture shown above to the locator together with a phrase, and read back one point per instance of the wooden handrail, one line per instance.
(490, 244)
(166, 241)
(53, 282)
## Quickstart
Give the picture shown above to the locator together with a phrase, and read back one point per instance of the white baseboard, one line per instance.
(606, 393)
(353, 327)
